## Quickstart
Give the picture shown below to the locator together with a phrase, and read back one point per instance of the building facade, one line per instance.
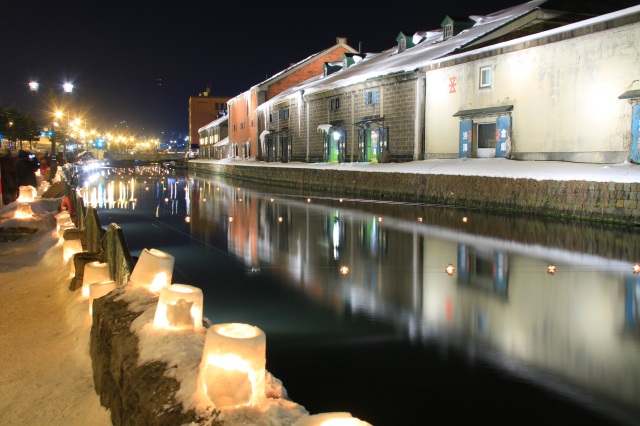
(203, 109)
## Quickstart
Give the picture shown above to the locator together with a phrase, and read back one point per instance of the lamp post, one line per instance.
(67, 88)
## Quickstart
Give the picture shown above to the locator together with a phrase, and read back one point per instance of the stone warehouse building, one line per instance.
(521, 83)
(543, 80)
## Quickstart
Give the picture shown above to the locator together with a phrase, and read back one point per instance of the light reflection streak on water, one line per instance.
(580, 325)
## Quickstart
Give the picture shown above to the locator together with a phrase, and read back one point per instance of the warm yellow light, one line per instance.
(179, 307)
(69, 248)
(23, 211)
(154, 270)
(331, 419)
(280, 219)
(97, 290)
(419, 219)
(636, 268)
(26, 193)
(552, 269)
(94, 272)
(379, 218)
(233, 366)
(450, 269)
(465, 219)
(344, 270)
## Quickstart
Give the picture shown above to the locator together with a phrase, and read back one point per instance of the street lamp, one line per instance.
(67, 87)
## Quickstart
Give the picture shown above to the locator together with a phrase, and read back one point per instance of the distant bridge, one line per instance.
(141, 158)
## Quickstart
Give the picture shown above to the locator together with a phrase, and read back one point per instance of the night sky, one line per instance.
(140, 63)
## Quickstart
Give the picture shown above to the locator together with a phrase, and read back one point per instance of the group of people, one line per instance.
(17, 172)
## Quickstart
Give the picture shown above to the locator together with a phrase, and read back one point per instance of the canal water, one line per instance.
(402, 314)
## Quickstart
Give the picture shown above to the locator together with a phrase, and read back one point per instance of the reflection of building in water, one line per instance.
(632, 305)
(579, 325)
(483, 269)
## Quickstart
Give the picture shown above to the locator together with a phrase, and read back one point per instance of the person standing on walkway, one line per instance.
(9, 178)
(26, 170)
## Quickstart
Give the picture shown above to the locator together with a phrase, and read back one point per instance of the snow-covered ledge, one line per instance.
(146, 375)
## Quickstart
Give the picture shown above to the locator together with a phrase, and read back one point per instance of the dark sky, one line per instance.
(114, 52)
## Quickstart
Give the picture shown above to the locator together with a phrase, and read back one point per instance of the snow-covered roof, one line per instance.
(432, 50)
(214, 123)
(298, 64)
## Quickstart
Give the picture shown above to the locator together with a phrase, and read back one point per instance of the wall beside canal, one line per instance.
(598, 201)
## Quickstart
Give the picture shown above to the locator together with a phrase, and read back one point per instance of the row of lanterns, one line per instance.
(233, 365)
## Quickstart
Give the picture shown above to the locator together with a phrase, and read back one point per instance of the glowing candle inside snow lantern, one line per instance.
(331, 419)
(26, 193)
(179, 307)
(23, 211)
(69, 248)
(153, 269)
(232, 369)
(97, 290)
(94, 272)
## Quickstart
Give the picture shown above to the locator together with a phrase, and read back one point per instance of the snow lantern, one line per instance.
(23, 211)
(153, 269)
(26, 194)
(64, 227)
(97, 290)
(69, 248)
(63, 218)
(94, 272)
(331, 419)
(179, 307)
(232, 369)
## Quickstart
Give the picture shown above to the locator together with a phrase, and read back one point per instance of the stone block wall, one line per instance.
(597, 201)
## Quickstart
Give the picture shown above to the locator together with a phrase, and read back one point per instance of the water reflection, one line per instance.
(576, 331)
(580, 324)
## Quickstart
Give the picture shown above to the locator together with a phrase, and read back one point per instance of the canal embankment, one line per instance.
(583, 199)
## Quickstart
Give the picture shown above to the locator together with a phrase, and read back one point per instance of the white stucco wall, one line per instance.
(565, 97)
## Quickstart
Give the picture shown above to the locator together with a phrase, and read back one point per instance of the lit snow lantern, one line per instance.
(23, 211)
(27, 193)
(153, 269)
(179, 307)
(94, 272)
(331, 419)
(63, 227)
(97, 290)
(63, 218)
(69, 248)
(232, 369)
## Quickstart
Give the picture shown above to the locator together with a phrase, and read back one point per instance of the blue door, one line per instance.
(503, 140)
(466, 136)
(635, 135)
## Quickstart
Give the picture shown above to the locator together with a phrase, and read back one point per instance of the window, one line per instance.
(448, 31)
(334, 104)
(371, 98)
(270, 118)
(242, 125)
(485, 77)
(402, 45)
(283, 114)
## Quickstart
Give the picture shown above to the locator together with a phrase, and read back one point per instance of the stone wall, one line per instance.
(597, 201)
